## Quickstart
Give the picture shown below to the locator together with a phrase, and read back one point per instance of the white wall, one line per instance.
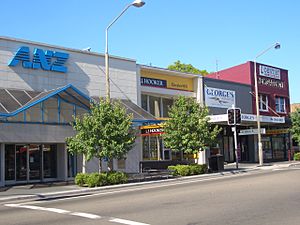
(86, 71)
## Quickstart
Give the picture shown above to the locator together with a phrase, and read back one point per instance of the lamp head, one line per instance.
(277, 45)
(138, 3)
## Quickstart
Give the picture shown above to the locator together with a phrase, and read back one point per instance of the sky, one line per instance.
(209, 34)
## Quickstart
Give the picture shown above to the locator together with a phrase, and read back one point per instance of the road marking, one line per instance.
(128, 222)
(86, 215)
(55, 210)
(80, 214)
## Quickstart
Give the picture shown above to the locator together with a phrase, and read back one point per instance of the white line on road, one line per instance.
(61, 211)
(81, 214)
(86, 215)
(128, 222)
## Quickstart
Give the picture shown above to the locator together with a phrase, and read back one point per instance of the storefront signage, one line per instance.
(152, 131)
(270, 82)
(218, 118)
(161, 80)
(45, 60)
(265, 119)
(220, 98)
(278, 131)
(247, 117)
(252, 131)
(145, 81)
(270, 72)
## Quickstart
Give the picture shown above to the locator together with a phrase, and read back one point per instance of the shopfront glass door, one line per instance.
(34, 153)
(21, 162)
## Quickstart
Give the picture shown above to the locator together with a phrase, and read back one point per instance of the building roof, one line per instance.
(13, 102)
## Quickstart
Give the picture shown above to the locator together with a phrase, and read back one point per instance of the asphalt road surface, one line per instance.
(270, 197)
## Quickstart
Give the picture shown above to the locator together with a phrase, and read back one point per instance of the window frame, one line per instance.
(263, 103)
(280, 103)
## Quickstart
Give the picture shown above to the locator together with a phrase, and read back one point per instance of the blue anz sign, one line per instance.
(45, 60)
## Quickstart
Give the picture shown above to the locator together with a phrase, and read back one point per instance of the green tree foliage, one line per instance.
(104, 133)
(188, 129)
(295, 116)
(186, 68)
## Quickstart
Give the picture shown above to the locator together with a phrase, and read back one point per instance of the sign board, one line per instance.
(270, 72)
(278, 131)
(270, 82)
(219, 98)
(145, 81)
(160, 80)
(218, 118)
(46, 60)
(264, 119)
(252, 131)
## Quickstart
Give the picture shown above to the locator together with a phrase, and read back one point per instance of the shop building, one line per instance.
(41, 87)
(219, 96)
(158, 88)
(274, 107)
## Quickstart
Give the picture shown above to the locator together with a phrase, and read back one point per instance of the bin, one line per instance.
(216, 163)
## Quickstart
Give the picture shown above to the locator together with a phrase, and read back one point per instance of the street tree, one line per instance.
(188, 130)
(186, 68)
(295, 129)
(104, 133)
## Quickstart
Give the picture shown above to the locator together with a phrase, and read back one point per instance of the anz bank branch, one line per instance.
(41, 88)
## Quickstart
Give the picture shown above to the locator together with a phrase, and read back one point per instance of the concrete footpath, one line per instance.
(62, 189)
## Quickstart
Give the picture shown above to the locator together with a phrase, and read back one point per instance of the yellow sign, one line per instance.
(279, 131)
(153, 126)
(173, 82)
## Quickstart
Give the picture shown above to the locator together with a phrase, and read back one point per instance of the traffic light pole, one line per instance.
(235, 138)
(235, 146)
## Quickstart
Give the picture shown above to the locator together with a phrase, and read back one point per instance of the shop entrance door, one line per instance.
(28, 162)
(34, 152)
(21, 163)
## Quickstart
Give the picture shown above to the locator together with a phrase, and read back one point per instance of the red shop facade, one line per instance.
(274, 101)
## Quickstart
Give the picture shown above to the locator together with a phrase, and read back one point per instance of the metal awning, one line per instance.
(13, 102)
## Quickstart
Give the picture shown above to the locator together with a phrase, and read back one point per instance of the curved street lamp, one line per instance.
(260, 150)
(136, 3)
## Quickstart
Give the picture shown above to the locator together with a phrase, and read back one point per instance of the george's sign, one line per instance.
(220, 98)
(45, 60)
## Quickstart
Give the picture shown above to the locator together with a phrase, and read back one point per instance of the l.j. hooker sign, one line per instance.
(45, 60)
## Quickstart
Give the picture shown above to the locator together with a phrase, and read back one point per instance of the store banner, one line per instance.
(166, 81)
(219, 98)
(270, 72)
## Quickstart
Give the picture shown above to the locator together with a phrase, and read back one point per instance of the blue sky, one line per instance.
(200, 32)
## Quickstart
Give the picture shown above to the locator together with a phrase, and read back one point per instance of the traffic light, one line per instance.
(230, 113)
(234, 116)
(238, 116)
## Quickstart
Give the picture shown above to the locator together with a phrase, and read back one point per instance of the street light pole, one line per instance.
(136, 3)
(260, 150)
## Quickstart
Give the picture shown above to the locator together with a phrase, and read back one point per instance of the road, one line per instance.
(270, 197)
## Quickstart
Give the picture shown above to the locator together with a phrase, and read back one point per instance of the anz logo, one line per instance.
(45, 60)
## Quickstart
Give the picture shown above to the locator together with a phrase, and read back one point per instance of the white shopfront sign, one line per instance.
(219, 98)
(264, 119)
(252, 131)
(248, 118)
(270, 72)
